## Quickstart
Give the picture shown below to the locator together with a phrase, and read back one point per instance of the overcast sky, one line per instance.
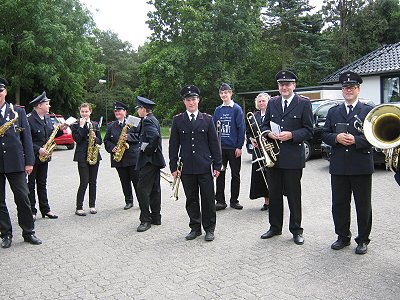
(127, 17)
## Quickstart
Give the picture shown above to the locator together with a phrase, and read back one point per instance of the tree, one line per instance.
(201, 42)
(47, 45)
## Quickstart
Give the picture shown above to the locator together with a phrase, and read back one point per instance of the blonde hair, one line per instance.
(85, 104)
(263, 94)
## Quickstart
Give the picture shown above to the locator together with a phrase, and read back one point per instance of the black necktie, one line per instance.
(350, 108)
(192, 119)
(285, 106)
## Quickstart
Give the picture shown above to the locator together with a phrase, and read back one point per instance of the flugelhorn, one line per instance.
(268, 150)
(174, 183)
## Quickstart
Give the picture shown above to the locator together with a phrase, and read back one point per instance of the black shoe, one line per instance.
(143, 226)
(50, 215)
(128, 205)
(6, 242)
(298, 239)
(236, 205)
(270, 233)
(340, 244)
(220, 206)
(209, 236)
(264, 207)
(193, 234)
(32, 239)
(361, 248)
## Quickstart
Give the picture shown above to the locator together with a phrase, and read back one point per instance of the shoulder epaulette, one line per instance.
(305, 97)
(178, 115)
(28, 115)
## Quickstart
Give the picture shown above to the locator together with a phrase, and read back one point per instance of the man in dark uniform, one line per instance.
(351, 164)
(16, 160)
(41, 129)
(126, 168)
(293, 118)
(149, 163)
(194, 139)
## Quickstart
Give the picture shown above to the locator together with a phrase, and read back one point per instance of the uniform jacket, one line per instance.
(150, 134)
(355, 159)
(40, 131)
(298, 119)
(16, 150)
(198, 147)
(111, 140)
(81, 137)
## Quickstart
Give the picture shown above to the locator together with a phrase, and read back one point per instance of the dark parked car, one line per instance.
(66, 139)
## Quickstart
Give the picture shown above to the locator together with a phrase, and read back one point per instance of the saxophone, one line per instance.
(122, 145)
(7, 125)
(49, 146)
(93, 148)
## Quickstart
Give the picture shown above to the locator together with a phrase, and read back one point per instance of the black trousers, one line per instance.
(235, 163)
(206, 215)
(291, 180)
(126, 176)
(149, 194)
(38, 178)
(87, 176)
(20, 190)
(342, 188)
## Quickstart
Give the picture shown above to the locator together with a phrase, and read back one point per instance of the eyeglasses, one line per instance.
(350, 88)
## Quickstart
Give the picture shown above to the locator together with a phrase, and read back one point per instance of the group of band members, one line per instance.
(204, 155)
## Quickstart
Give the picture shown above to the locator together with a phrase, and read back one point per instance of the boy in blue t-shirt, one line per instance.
(232, 135)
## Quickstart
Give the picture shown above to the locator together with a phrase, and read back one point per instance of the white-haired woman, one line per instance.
(259, 186)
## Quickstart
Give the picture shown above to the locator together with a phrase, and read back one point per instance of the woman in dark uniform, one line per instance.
(258, 185)
(41, 129)
(87, 172)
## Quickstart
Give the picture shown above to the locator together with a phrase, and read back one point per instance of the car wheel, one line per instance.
(307, 150)
(71, 146)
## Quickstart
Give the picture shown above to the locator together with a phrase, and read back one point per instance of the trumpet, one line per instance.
(268, 151)
(174, 183)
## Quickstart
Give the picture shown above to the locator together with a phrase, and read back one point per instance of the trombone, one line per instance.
(174, 183)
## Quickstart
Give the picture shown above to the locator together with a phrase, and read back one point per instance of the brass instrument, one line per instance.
(122, 145)
(174, 183)
(50, 146)
(269, 150)
(93, 148)
(7, 125)
(381, 128)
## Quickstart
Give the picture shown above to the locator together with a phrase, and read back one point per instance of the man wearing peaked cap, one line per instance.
(294, 118)
(351, 165)
(41, 130)
(39, 99)
(119, 105)
(126, 167)
(190, 90)
(231, 135)
(144, 102)
(194, 141)
(285, 76)
(350, 78)
(16, 161)
(149, 163)
(3, 84)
